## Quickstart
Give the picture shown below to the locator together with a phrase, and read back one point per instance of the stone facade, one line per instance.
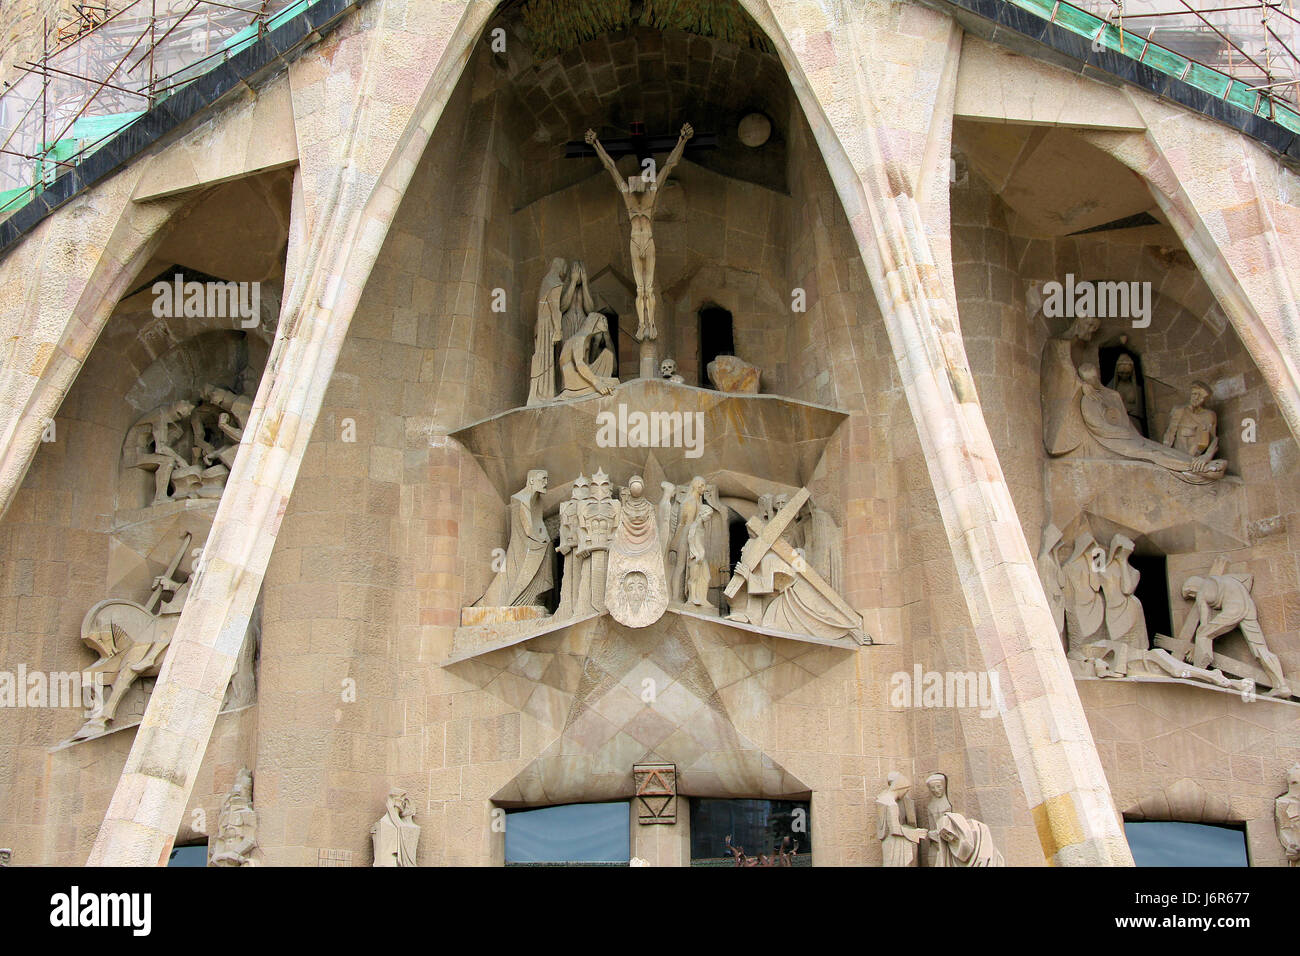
(882, 257)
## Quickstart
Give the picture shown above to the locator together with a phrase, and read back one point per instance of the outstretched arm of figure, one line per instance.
(675, 156)
(594, 142)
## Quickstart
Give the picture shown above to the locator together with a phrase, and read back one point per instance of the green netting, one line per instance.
(91, 129)
(10, 197)
(62, 150)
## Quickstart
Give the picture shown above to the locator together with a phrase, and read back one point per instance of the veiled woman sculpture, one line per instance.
(562, 301)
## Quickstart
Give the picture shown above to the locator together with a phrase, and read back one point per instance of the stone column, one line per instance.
(876, 83)
(352, 180)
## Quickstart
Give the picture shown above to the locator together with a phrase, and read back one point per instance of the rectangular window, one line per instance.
(761, 832)
(575, 834)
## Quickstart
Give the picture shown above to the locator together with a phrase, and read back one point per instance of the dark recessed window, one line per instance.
(1153, 592)
(1186, 844)
(763, 829)
(196, 855)
(715, 339)
(575, 833)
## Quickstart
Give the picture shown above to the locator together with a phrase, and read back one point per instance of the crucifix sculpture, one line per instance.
(640, 193)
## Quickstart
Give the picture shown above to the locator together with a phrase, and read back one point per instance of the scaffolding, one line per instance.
(103, 65)
(1254, 41)
(106, 63)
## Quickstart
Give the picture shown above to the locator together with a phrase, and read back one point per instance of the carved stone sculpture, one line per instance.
(572, 577)
(939, 804)
(1077, 407)
(636, 592)
(775, 587)
(1106, 419)
(966, 842)
(1286, 815)
(1125, 622)
(1085, 609)
(395, 835)
(1193, 428)
(587, 360)
(698, 571)
(690, 498)
(957, 840)
(1124, 383)
(231, 421)
(563, 293)
(896, 827)
(237, 826)
(190, 446)
(668, 372)
(728, 373)
(131, 640)
(164, 429)
(1222, 604)
(527, 572)
(640, 194)
(597, 519)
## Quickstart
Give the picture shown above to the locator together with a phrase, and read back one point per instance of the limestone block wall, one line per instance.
(1169, 752)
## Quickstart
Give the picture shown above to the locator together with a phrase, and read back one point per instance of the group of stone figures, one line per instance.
(1080, 413)
(633, 558)
(190, 446)
(1092, 593)
(394, 836)
(132, 639)
(952, 839)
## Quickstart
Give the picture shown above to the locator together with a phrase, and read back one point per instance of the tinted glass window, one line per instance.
(1186, 844)
(574, 833)
(761, 828)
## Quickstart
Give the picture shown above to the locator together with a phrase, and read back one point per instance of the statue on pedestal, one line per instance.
(527, 572)
(395, 834)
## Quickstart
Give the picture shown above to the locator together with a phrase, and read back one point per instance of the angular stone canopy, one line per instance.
(779, 438)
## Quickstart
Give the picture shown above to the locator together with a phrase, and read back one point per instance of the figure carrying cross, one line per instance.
(640, 194)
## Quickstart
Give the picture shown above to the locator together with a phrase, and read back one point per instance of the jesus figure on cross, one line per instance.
(640, 194)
